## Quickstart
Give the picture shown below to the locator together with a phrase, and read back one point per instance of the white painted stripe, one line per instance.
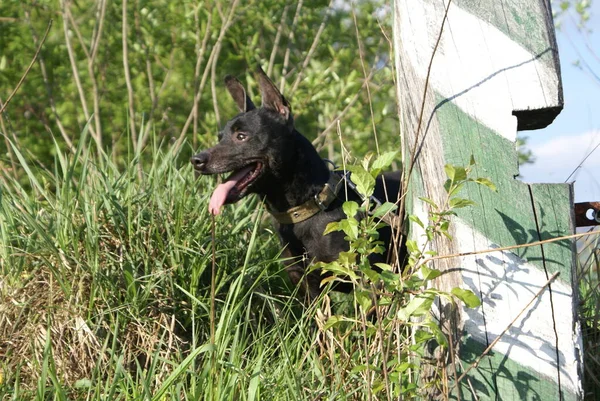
(506, 284)
(481, 69)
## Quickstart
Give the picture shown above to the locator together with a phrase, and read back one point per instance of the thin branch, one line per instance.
(96, 39)
(364, 69)
(413, 156)
(35, 56)
(155, 96)
(86, 113)
(199, 60)
(128, 79)
(59, 124)
(9, 149)
(90, 66)
(286, 58)
(489, 348)
(213, 84)
(583, 161)
(216, 48)
(507, 248)
(342, 113)
(312, 49)
(277, 40)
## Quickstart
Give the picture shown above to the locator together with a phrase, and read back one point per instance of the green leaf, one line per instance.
(457, 203)
(460, 173)
(384, 208)
(418, 306)
(448, 185)
(331, 227)
(416, 220)
(363, 298)
(429, 274)
(467, 297)
(412, 246)
(384, 160)
(349, 227)
(83, 383)
(440, 337)
(487, 183)
(350, 208)
(450, 171)
(347, 258)
(472, 161)
(335, 320)
(384, 266)
(429, 201)
(336, 268)
(365, 183)
(358, 369)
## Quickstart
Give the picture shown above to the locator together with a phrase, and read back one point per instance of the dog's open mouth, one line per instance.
(235, 187)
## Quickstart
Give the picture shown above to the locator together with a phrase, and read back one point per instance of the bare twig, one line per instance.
(9, 149)
(286, 58)
(489, 348)
(128, 79)
(35, 56)
(57, 119)
(342, 113)
(65, 16)
(199, 60)
(213, 358)
(92, 75)
(96, 38)
(507, 248)
(213, 85)
(277, 39)
(216, 48)
(154, 95)
(406, 175)
(311, 51)
(583, 161)
(364, 69)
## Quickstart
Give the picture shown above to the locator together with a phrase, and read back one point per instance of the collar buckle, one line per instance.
(321, 196)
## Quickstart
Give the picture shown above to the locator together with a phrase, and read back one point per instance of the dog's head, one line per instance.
(251, 145)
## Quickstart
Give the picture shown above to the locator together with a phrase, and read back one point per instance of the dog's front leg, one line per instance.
(296, 267)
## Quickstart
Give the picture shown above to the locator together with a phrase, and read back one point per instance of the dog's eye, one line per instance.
(240, 136)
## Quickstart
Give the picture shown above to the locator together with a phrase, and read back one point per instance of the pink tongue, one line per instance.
(220, 194)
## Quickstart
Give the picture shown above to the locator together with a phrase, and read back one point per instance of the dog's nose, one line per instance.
(199, 161)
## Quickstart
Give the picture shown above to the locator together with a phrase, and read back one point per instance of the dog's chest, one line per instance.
(307, 239)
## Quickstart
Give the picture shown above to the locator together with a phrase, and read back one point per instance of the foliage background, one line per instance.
(177, 54)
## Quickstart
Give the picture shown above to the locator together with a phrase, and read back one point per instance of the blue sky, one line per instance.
(561, 147)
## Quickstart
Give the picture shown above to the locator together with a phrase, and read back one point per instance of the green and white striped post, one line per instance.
(494, 71)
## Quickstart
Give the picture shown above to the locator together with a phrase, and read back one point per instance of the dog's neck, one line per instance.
(306, 178)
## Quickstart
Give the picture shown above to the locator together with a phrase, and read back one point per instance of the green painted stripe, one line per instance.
(499, 378)
(506, 217)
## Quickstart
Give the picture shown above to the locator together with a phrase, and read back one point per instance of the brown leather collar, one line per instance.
(308, 209)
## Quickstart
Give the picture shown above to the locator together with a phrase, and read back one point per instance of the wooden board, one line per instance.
(495, 69)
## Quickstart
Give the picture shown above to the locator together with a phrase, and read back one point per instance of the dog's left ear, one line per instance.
(272, 99)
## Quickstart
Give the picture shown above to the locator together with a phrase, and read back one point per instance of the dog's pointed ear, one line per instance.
(272, 99)
(238, 93)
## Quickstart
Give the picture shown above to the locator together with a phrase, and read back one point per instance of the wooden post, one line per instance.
(494, 69)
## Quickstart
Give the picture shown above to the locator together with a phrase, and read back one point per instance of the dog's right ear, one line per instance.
(272, 99)
(238, 93)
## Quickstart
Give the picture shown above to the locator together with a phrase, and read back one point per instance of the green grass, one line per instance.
(588, 270)
(105, 288)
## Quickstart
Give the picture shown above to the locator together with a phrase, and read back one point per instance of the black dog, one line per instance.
(269, 157)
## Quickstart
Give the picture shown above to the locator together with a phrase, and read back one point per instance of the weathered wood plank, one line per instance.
(496, 69)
